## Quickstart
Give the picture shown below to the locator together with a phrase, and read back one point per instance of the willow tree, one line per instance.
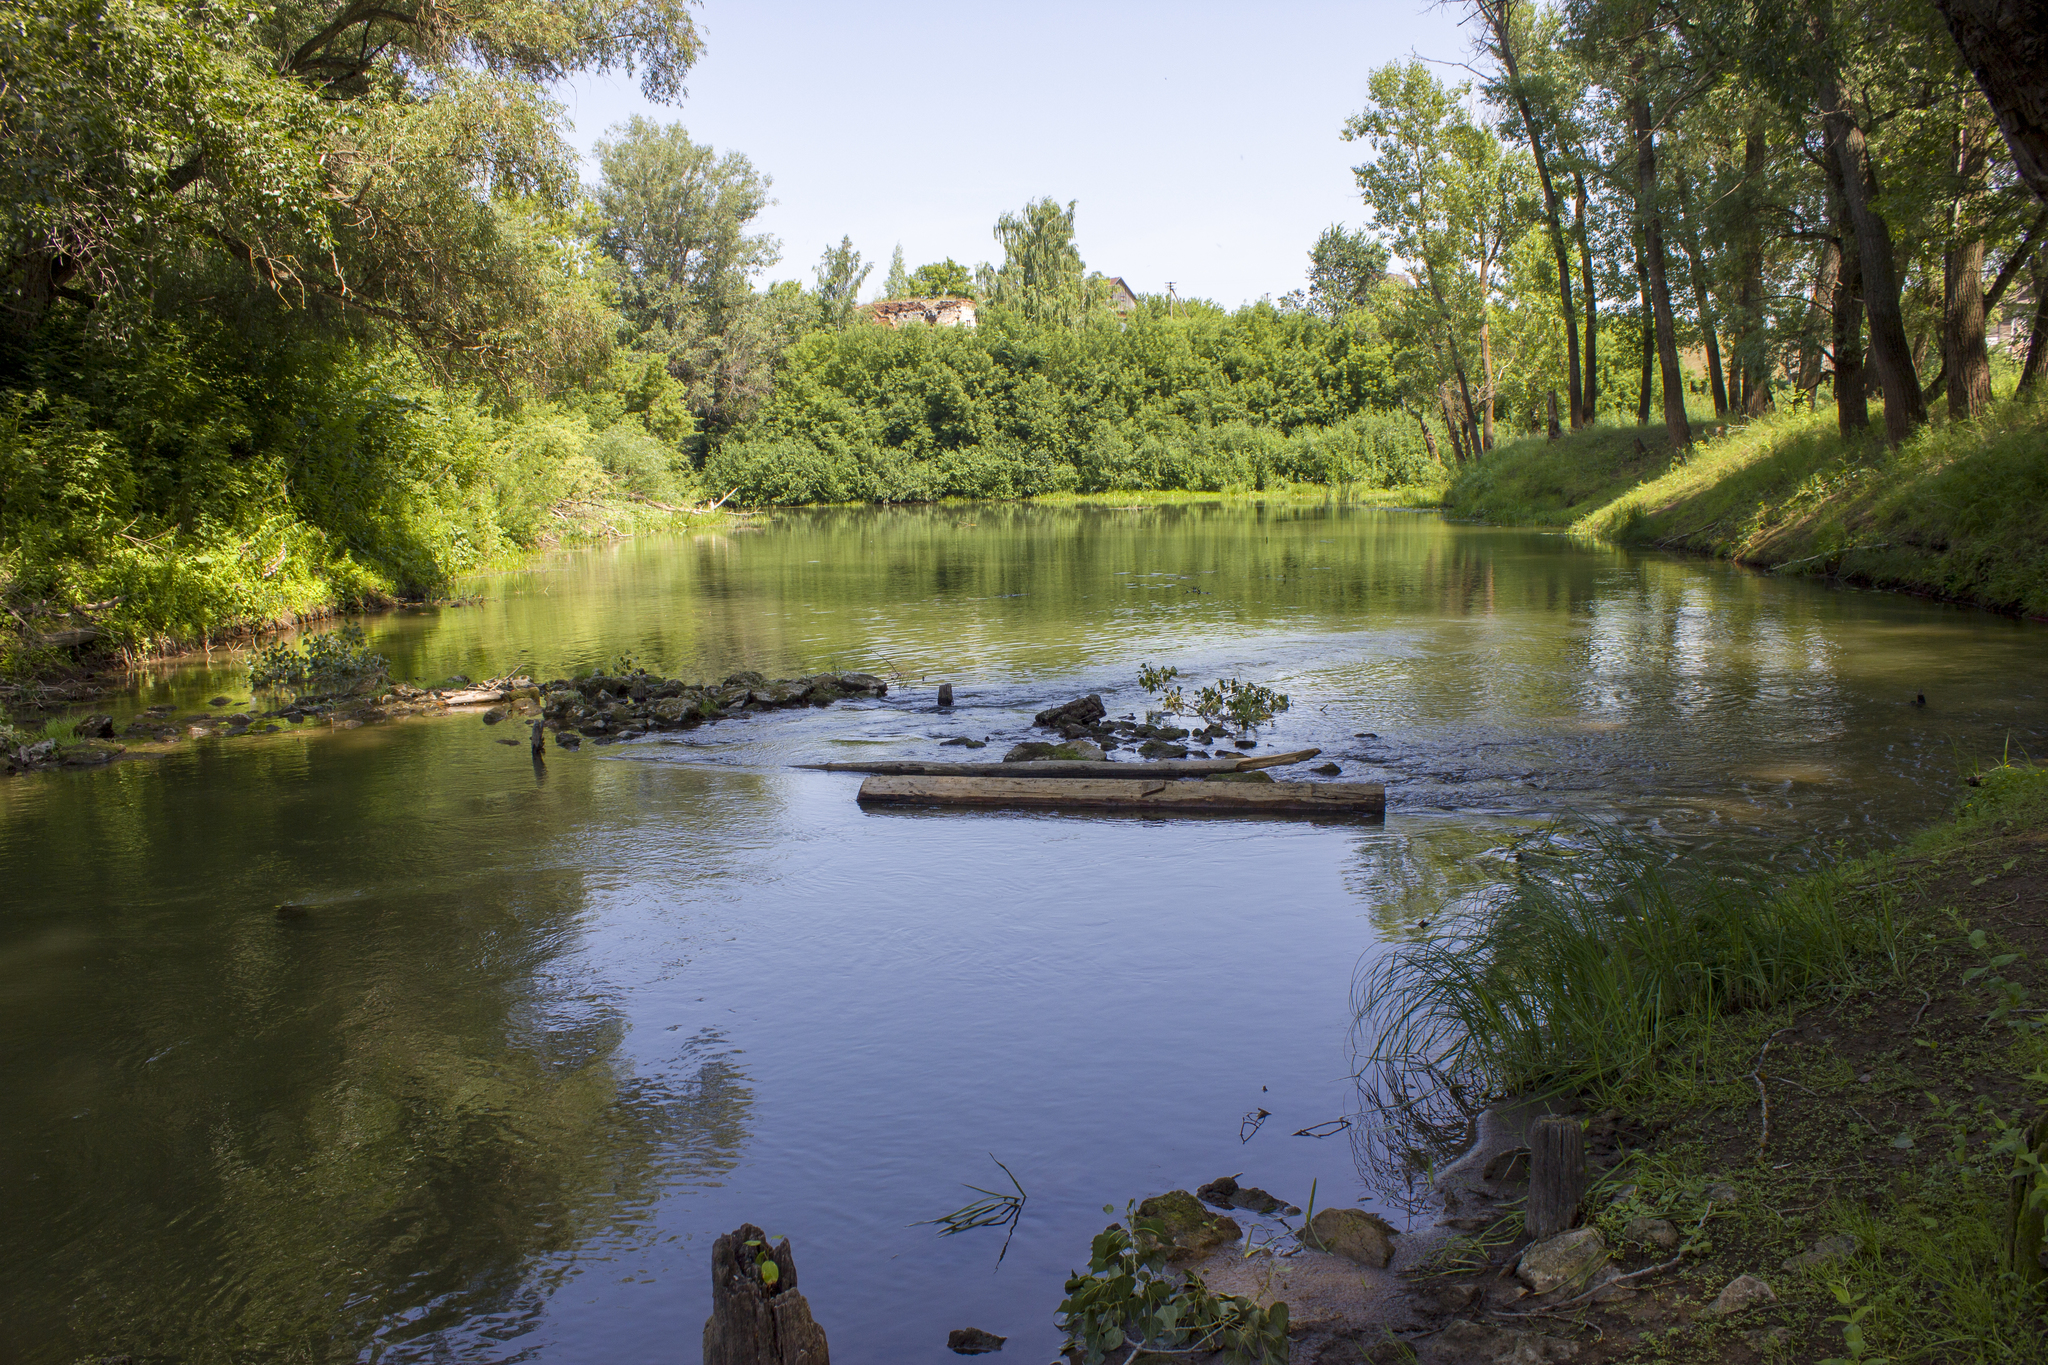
(1042, 275)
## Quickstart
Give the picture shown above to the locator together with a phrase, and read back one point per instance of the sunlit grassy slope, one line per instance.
(1960, 510)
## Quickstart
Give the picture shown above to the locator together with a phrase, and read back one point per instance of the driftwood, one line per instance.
(1053, 793)
(1063, 767)
(757, 1315)
(1557, 1175)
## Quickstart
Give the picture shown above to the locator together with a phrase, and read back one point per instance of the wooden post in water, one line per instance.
(1557, 1175)
(945, 694)
(540, 738)
(757, 1316)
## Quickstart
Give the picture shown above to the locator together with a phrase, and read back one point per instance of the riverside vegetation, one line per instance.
(1829, 1085)
(307, 308)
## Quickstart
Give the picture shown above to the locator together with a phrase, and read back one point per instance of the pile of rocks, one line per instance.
(1086, 720)
(603, 708)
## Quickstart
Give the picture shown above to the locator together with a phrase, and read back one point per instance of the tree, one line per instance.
(941, 278)
(2006, 44)
(840, 276)
(675, 218)
(1041, 275)
(1344, 269)
(898, 285)
(349, 160)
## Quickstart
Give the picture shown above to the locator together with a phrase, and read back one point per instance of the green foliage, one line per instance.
(1041, 275)
(1208, 402)
(1345, 268)
(320, 666)
(1246, 706)
(1127, 1301)
(840, 274)
(940, 278)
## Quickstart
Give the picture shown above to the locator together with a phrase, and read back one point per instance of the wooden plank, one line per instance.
(1557, 1176)
(1044, 767)
(1067, 767)
(1038, 793)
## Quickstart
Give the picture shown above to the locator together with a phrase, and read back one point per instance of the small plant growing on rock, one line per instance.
(1127, 1303)
(1243, 706)
(321, 666)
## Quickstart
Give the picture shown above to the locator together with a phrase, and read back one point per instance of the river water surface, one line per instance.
(529, 1040)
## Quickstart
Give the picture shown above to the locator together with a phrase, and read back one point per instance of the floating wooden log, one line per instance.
(1087, 793)
(1069, 768)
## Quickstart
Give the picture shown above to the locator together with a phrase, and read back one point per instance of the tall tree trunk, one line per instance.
(1852, 403)
(1968, 363)
(1813, 350)
(2006, 44)
(1653, 253)
(1588, 295)
(1749, 345)
(1486, 377)
(1890, 355)
(1500, 17)
(1451, 424)
(1647, 333)
(1457, 357)
(1689, 241)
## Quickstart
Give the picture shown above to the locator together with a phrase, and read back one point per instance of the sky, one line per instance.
(1201, 140)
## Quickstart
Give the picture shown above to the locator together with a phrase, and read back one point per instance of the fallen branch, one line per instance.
(1558, 1308)
(1764, 1096)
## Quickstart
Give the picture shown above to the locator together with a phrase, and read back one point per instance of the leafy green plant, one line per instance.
(1246, 706)
(1851, 1319)
(1127, 1303)
(321, 666)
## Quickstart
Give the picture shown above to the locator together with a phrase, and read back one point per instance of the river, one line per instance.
(524, 1042)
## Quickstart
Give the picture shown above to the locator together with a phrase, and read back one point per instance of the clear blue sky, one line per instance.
(1200, 139)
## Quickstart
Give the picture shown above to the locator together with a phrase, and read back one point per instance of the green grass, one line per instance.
(1618, 978)
(1407, 495)
(1960, 510)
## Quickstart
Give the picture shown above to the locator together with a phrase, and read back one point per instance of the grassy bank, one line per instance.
(1886, 1014)
(1959, 511)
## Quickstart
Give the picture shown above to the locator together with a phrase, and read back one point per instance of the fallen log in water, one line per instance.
(1042, 793)
(1068, 767)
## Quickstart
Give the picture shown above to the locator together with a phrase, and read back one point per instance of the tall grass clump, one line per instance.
(1591, 964)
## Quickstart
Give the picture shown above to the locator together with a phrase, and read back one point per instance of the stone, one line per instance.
(1159, 748)
(1353, 1234)
(1767, 1339)
(863, 684)
(1652, 1231)
(1566, 1259)
(1228, 1194)
(495, 714)
(90, 753)
(1835, 1248)
(1246, 743)
(1030, 751)
(1721, 1192)
(1080, 711)
(972, 1341)
(1742, 1292)
(1079, 750)
(219, 701)
(95, 727)
(963, 742)
(1326, 769)
(1186, 1229)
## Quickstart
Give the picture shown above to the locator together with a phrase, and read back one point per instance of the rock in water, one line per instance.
(1081, 711)
(1081, 750)
(972, 1341)
(1030, 751)
(1353, 1234)
(757, 1315)
(96, 727)
(1568, 1258)
(1186, 1229)
(1744, 1291)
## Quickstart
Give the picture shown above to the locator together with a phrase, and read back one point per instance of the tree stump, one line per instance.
(1557, 1175)
(757, 1315)
(945, 694)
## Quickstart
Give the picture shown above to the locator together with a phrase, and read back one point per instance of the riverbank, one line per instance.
(1959, 511)
(1805, 1107)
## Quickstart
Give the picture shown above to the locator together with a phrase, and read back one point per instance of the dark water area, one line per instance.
(521, 1043)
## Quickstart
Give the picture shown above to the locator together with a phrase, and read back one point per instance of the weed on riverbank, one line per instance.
(1960, 510)
(1826, 1092)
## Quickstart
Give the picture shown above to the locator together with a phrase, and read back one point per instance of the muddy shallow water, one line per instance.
(525, 1042)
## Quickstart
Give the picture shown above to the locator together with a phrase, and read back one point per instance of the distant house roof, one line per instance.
(1122, 297)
